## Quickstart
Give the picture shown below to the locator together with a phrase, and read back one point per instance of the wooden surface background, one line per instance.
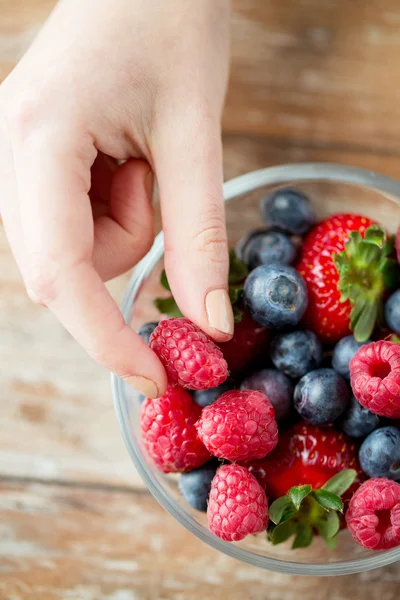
(310, 80)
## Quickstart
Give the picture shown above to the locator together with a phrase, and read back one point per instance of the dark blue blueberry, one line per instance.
(267, 247)
(195, 486)
(344, 351)
(288, 210)
(146, 330)
(276, 386)
(296, 353)
(358, 421)
(207, 397)
(380, 453)
(321, 396)
(275, 296)
(392, 312)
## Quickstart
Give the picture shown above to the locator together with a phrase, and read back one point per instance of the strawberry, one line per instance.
(307, 473)
(345, 261)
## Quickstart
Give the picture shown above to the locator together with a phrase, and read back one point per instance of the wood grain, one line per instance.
(62, 543)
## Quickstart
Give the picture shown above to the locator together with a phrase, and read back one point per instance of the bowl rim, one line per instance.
(248, 182)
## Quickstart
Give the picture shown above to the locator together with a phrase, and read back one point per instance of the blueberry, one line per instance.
(289, 210)
(195, 486)
(207, 397)
(380, 453)
(344, 351)
(275, 296)
(276, 386)
(296, 353)
(392, 312)
(146, 330)
(268, 247)
(358, 421)
(321, 396)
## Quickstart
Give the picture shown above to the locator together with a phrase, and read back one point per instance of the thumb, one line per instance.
(188, 165)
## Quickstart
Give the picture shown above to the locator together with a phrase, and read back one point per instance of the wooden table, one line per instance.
(311, 80)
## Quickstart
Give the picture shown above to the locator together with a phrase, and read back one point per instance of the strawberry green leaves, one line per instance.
(237, 275)
(304, 511)
(366, 271)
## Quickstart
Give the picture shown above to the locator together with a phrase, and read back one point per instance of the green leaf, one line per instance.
(376, 235)
(329, 525)
(235, 293)
(327, 500)
(340, 483)
(365, 324)
(303, 537)
(332, 542)
(237, 269)
(282, 532)
(168, 306)
(237, 314)
(278, 508)
(164, 281)
(298, 493)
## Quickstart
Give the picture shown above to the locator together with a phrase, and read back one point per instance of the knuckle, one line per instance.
(211, 240)
(41, 280)
(22, 116)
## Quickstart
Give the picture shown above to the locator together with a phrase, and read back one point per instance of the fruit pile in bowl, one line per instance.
(288, 434)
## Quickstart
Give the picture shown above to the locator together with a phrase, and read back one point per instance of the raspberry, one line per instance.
(373, 516)
(240, 425)
(169, 433)
(375, 378)
(189, 356)
(238, 505)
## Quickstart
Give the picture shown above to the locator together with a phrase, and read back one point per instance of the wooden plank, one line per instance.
(301, 69)
(65, 543)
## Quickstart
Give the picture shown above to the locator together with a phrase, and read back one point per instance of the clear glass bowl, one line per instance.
(332, 188)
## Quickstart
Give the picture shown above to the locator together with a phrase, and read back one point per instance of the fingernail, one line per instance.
(149, 184)
(219, 311)
(142, 385)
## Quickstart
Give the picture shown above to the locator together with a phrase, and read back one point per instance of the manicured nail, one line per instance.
(219, 311)
(142, 385)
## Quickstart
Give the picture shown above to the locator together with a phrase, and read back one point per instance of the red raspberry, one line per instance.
(169, 433)
(237, 506)
(375, 378)
(373, 516)
(189, 356)
(240, 425)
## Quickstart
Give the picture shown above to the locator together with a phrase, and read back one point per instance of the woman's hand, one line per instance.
(138, 81)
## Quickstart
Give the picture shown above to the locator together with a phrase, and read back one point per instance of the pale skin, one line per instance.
(134, 81)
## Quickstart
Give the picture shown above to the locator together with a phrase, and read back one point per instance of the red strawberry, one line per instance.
(246, 346)
(237, 506)
(346, 276)
(375, 378)
(189, 356)
(305, 454)
(169, 433)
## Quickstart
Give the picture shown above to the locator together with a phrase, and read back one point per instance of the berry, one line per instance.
(195, 486)
(169, 433)
(344, 351)
(373, 516)
(380, 453)
(246, 346)
(375, 378)
(275, 296)
(276, 386)
(146, 330)
(321, 396)
(189, 356)
(392, 312)
(238, 505)
(296, 353)
(289, 210)
(207, 397)
(340, 274)
(357, 421)
(305, 454)
(240, 425)
(266, 247)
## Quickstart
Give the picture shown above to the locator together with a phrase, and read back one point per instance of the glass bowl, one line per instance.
(332, 188)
